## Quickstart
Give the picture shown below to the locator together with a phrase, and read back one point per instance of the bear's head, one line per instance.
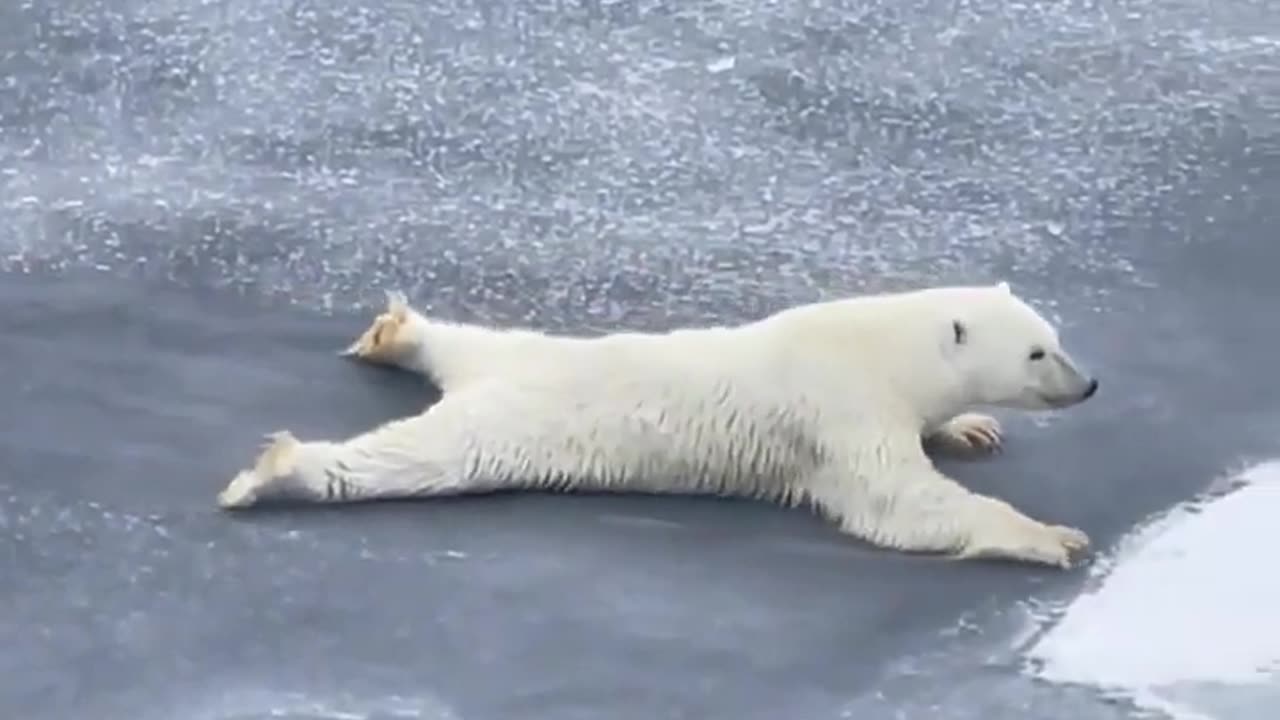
(1006, 355)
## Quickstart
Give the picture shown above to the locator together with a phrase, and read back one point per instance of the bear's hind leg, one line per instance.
(504, 435)
(967, 434)
(450, 354)
(405, 458)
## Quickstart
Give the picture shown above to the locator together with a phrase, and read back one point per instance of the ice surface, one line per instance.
(579, 165)
(577, 152)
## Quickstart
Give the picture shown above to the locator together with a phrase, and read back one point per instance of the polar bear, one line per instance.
(827, 405)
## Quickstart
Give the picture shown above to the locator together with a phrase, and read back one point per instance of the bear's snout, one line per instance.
(1092, 389)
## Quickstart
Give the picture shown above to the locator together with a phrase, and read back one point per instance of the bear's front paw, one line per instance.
(386, 337)
(1054, 545)
(969, 433)
(1058, 545)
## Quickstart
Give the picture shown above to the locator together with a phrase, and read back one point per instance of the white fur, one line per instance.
(824, 405)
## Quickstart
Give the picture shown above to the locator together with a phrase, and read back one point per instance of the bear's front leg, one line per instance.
(894, 497)
(968, 434)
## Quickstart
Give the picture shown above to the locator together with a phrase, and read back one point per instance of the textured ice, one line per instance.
(587, 154)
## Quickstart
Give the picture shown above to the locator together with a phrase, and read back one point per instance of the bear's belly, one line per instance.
(643, 434)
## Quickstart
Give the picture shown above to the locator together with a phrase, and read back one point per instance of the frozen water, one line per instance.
(578, 165)
(579, 152)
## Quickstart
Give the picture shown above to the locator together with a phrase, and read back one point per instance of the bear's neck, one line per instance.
(901, 359)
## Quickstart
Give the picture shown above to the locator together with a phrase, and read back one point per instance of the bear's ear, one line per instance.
(960, 332)
(1003, 287)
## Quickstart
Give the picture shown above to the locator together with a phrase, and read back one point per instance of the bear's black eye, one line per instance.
(1037, 354)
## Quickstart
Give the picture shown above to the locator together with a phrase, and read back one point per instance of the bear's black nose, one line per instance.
(1093, 388)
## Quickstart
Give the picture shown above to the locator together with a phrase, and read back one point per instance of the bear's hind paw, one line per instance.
(248, 486)
(386, 336)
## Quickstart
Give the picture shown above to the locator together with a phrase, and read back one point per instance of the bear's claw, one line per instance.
(971, 432)
(1072, 539)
